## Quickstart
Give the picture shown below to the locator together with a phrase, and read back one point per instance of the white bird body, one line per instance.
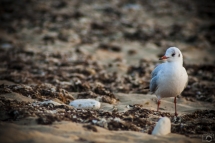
(174, 84)
(170, 78)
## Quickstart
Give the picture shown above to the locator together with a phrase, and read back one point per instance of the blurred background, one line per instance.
(138, 28)
(63, 50)
(93, 40)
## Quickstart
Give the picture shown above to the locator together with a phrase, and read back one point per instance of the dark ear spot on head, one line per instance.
(179, 55)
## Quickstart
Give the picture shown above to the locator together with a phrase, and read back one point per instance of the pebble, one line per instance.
(162, 127)
(85, 104)
(6, 46)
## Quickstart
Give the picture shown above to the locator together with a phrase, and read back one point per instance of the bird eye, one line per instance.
(179, 55)
(173, 54)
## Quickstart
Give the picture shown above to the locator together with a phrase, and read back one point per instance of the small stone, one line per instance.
(6, 46)
(85, 104)
(162, 127)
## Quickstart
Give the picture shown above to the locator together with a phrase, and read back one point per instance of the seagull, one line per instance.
(169, 78)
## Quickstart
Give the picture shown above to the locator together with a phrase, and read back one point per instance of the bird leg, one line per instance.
(176, 114)
(159, 102)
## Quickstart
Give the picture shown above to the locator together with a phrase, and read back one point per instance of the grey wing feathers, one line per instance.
(153, 84)
(156, 70)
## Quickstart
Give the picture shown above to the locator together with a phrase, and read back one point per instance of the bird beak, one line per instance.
(163, 58)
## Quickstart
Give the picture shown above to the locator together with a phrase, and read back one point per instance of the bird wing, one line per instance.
(153, 82)
(157, 69)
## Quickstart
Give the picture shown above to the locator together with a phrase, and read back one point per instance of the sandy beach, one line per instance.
(54, 52)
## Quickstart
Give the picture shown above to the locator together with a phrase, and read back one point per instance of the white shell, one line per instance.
(162, 127)
(85, 104)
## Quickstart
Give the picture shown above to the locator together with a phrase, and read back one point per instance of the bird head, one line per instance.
(173, 54)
